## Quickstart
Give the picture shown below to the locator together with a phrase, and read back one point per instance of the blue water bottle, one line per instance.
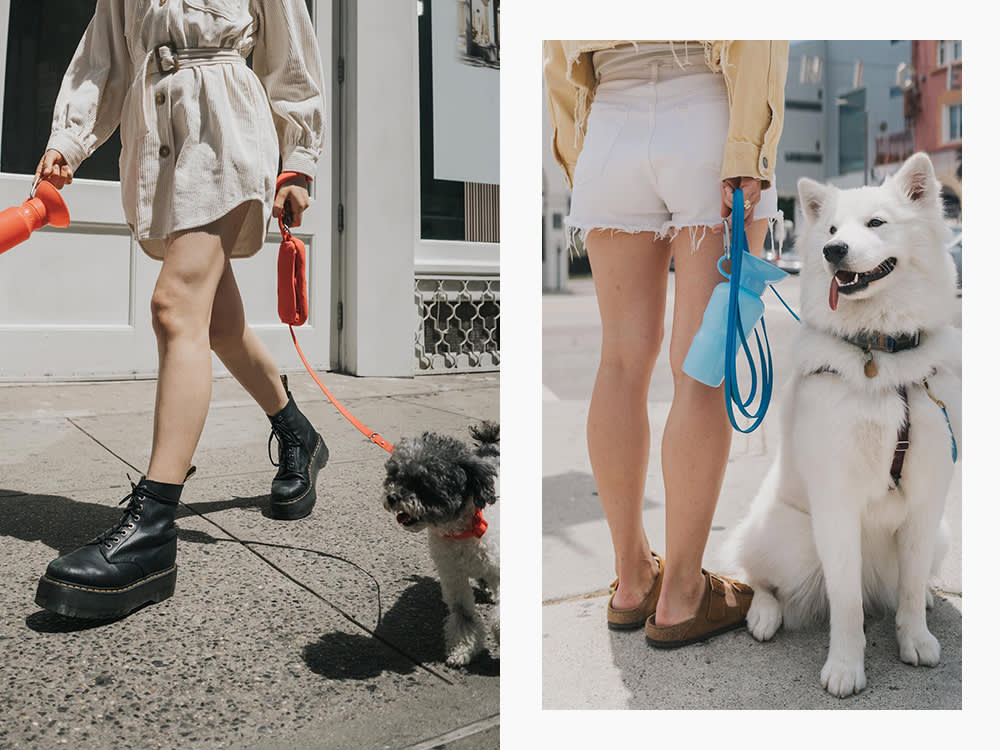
(706, 359)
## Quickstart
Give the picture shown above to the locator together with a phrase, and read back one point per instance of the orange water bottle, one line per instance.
(44, 206)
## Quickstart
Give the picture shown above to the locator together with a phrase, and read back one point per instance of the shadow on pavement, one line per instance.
(44, 621)
(64, 524)
(734, 671)
(569, 499)
(414, 624)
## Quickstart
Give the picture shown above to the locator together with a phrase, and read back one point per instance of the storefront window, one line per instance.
(42, 37)
(442, 202)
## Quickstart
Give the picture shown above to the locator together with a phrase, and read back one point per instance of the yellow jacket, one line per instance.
(755, 79)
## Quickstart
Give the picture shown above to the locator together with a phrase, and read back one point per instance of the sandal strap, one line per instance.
(726, 596)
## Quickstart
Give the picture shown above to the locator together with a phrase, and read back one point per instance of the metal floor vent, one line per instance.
(458, 326)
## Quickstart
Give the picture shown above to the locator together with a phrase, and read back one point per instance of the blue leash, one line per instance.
(736, 339)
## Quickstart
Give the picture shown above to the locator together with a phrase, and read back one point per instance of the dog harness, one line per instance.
(903, 433)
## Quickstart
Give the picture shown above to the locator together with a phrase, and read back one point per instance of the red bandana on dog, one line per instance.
(476, 528)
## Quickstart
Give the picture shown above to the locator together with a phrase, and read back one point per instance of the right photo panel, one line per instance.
(752, 319)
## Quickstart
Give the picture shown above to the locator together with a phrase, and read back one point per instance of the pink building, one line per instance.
(932, 107)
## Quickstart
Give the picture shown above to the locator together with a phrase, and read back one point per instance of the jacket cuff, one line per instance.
(66, 144)
(302, 161)
(742, 159)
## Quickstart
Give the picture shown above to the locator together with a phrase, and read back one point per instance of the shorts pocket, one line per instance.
(604, 125)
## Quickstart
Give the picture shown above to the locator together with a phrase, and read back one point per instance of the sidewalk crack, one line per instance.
(468, 730)
(402, 399)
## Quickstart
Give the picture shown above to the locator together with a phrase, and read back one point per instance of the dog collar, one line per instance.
(476, 528)
(884, 342)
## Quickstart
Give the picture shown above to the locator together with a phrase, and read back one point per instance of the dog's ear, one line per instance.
(480, 480)
(486, 432)
(915, 179)
(812, 197)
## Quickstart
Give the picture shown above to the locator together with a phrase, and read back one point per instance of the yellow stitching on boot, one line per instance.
(110, 591)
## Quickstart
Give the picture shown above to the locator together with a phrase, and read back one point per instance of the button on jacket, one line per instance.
(201, 132)
(754, 72)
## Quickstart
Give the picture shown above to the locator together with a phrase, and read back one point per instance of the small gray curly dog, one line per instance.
(441, 484)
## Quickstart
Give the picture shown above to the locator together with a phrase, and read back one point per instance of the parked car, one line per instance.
(788, 261)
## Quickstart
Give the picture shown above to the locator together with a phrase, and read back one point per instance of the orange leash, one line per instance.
(293, 309)
(380, 441)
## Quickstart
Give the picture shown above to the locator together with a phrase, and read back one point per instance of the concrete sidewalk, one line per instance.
(730, 671)
(319, 633)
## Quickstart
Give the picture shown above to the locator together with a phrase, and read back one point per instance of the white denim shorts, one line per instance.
(652, 156)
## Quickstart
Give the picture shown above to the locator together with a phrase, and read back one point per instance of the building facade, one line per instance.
(403, 268)
(555, 209)
(840, 97)
(932, 105)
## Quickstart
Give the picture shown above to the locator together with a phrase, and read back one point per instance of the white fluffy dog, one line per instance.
(833, 530)
(438, 483)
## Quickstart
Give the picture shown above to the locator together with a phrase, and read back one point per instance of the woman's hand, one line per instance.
(53, 167)
(292, 199)
(751, 197)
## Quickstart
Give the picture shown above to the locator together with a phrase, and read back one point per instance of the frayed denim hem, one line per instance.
(576, 234)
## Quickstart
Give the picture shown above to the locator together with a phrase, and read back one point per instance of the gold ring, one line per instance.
(746, 205)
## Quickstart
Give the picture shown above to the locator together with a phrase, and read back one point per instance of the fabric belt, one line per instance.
(169, 59)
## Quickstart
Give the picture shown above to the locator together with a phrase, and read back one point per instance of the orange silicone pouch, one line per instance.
(293, 303)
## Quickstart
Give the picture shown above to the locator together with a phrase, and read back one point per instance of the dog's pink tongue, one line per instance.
(834, 293)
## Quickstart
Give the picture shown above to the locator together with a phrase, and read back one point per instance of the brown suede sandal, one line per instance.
(633, 619)
(723, 607)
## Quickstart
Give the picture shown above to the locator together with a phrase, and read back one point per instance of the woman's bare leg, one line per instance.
(241, 350)
(193, 264)
(697, 436)
(630, 277)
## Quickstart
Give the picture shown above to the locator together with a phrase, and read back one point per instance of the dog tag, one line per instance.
(871, 368)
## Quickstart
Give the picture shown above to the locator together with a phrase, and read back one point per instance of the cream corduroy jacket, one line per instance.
(200, 139)
(754, 72)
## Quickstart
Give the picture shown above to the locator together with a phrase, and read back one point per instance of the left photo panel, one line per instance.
(250, 373)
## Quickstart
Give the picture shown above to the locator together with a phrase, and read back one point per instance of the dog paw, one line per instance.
(918, 648)
(929, 601)
(465, 637)
(460, 656)
(764, 617)
(843, 676)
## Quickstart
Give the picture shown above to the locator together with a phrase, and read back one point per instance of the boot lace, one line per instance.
(132, 514)
(287, 443)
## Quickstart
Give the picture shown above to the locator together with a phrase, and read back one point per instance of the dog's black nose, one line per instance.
(835, 252)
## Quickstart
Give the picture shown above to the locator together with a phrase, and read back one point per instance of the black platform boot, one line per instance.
(127, 566)
(302, 453)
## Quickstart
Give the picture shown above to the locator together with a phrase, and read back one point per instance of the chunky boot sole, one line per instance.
(87, 603)
(300, 507)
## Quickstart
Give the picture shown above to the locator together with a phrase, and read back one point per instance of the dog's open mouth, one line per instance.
(849, 282)
(404, 520)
